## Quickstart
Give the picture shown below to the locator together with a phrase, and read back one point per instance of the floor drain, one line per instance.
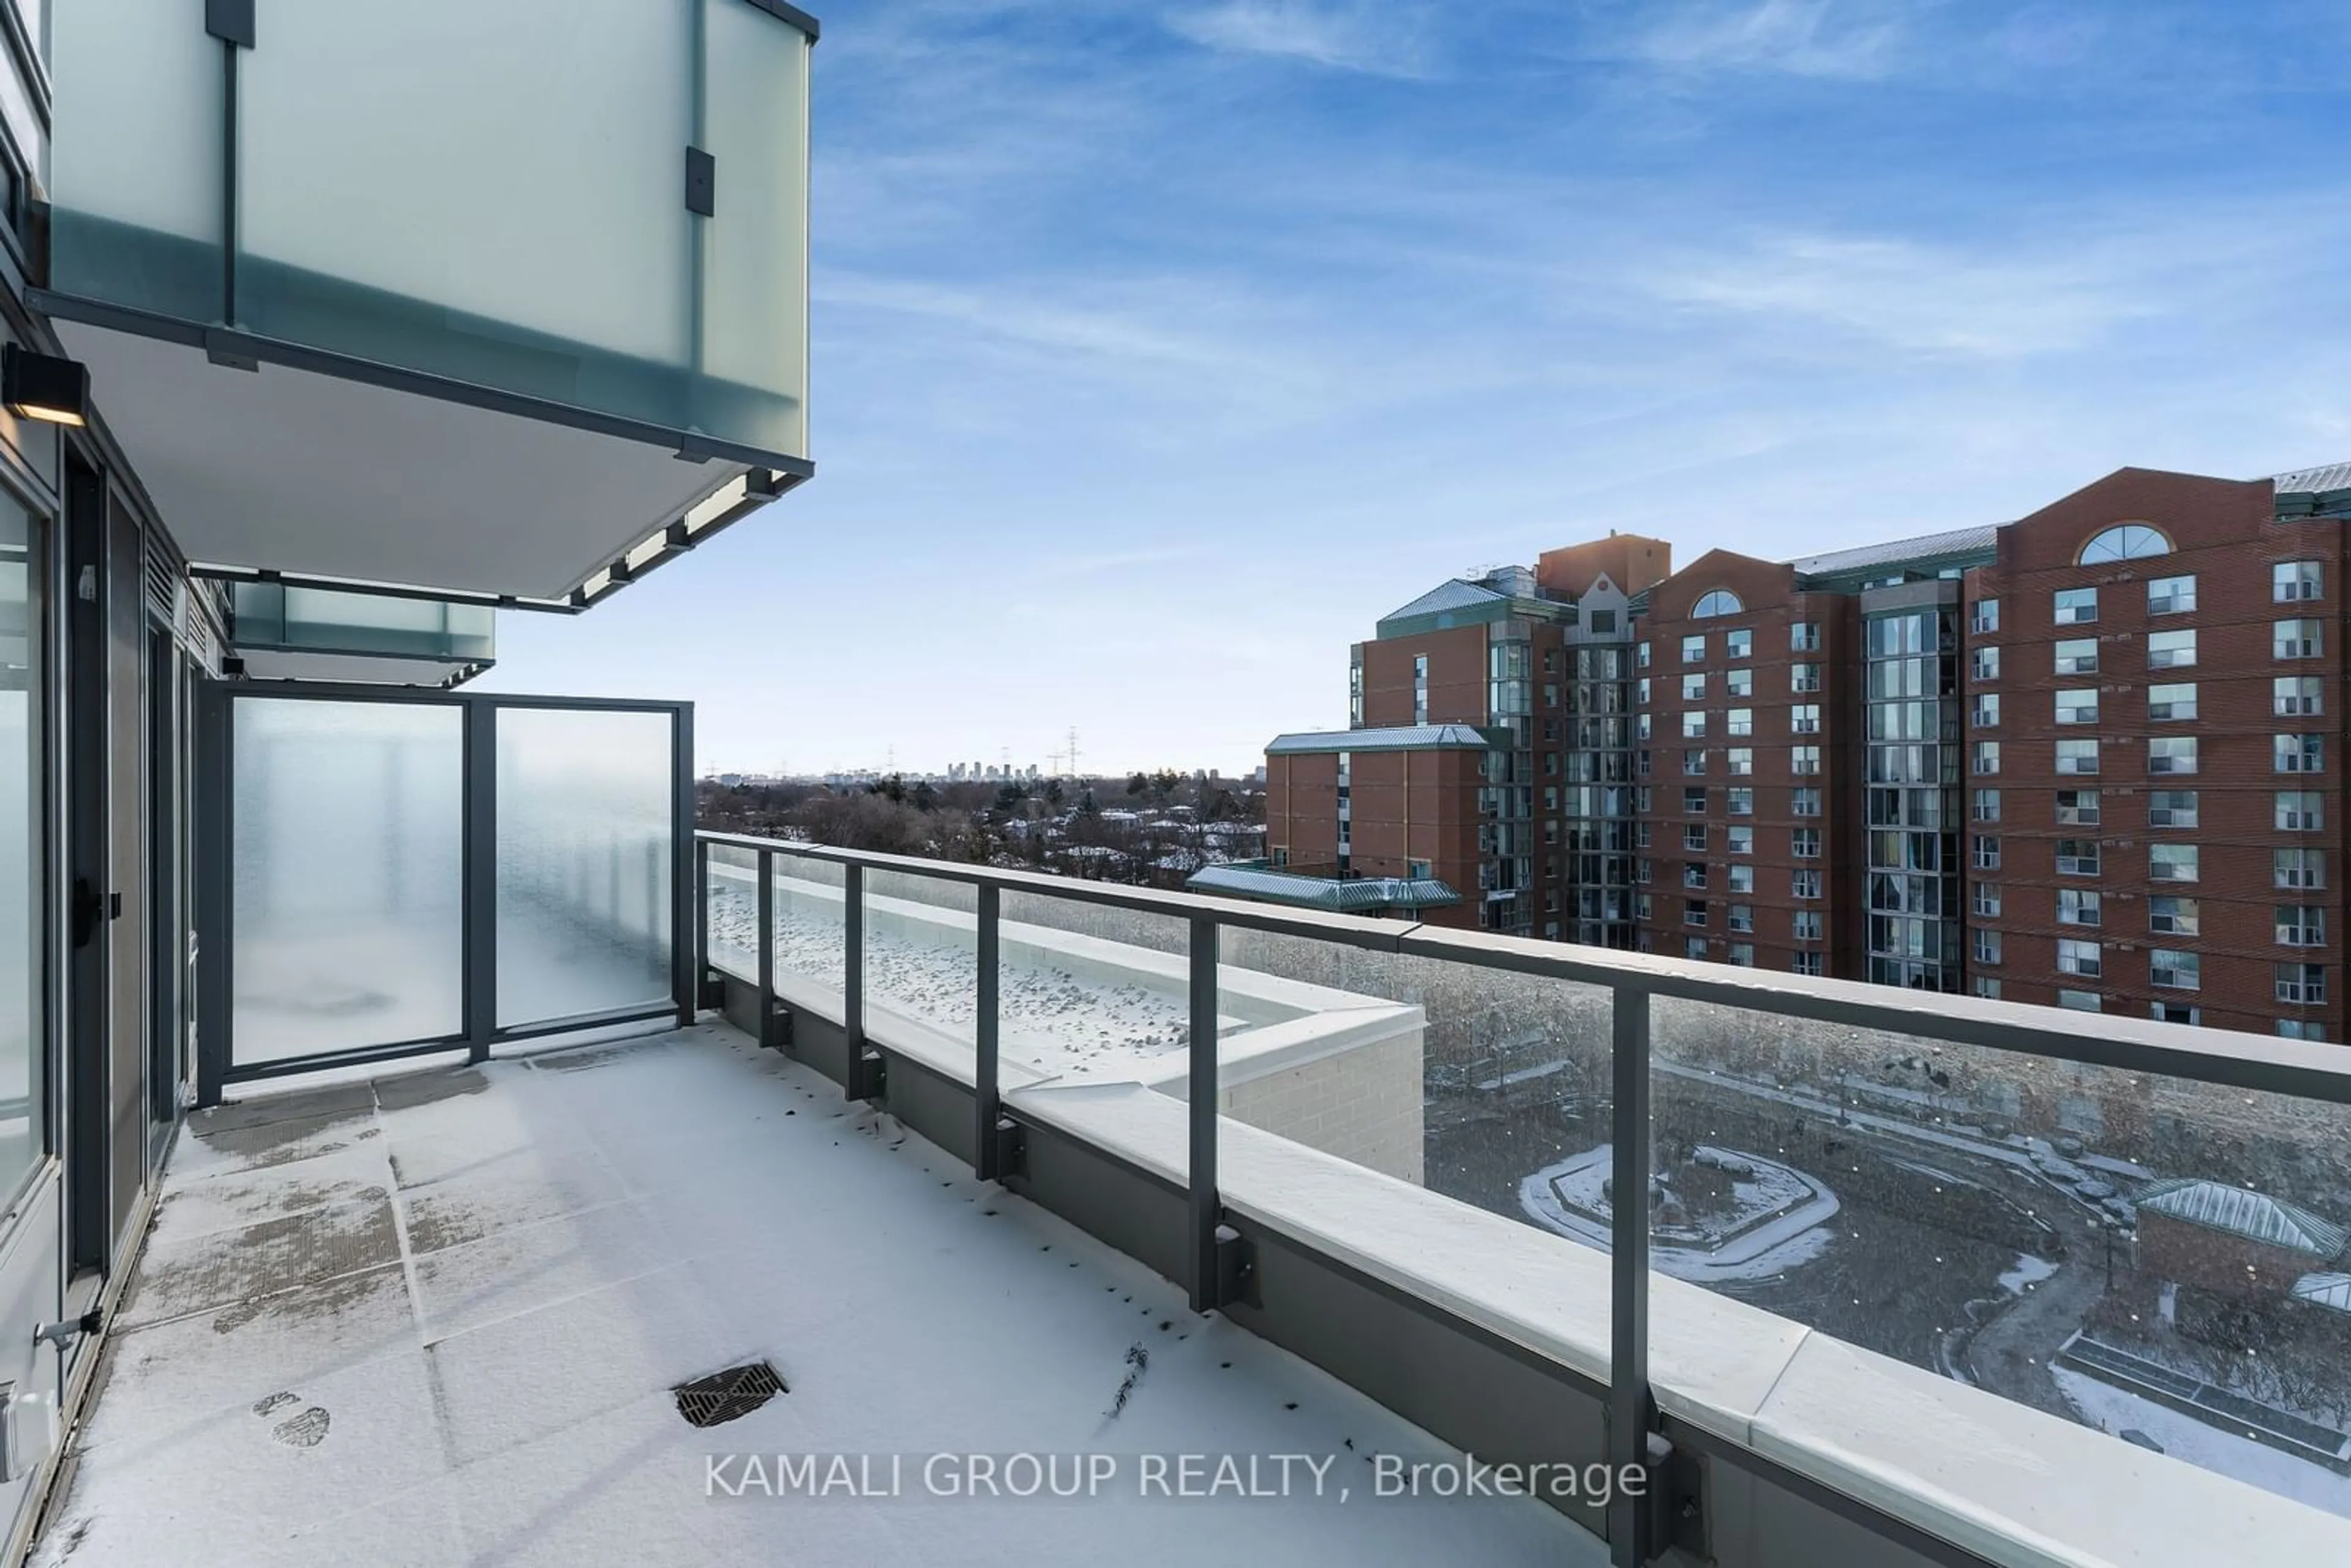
(727, 1395)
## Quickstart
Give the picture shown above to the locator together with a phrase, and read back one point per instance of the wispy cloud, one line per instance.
(1341, 35)
(1853, 39)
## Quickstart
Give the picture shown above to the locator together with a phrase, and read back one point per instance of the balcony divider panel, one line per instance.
(332, 962)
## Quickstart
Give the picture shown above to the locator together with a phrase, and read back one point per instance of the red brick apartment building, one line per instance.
(2091, 757)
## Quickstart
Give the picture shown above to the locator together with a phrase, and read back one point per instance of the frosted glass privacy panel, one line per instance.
(21, 1099)
(349, 875)
(756, 244)
(135, 172)
(492, 192)
(585, 837)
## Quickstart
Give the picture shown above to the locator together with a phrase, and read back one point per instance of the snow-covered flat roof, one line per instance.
(437, 1319)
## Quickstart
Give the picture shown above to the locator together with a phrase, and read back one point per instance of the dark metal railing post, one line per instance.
(987, 1102)
(1631, 1411)
(852, 976)
(1207, 1213)
(701, 919)
(766, 904)
(480, 837)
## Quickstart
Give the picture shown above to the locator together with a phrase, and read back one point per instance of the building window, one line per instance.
(1805, 843)
(1987, 947)
(1694, 800)
(2125, 541)
(2077, 808)
(1694, 726)
(2079, 706)
(2292, 581)
(2301, 926)
(1987, 900)
(2174, 970)
(2304, 985)
(1641, 655)
(1738, 721)
(1694, 649)
(2077, 756)
(1804, 964)
(2083, 958)
(1804, 925)
(2171, 754)
(1694, 948)
(1694, 687)
(1803, 678)
(1744, 953)
(1988, 986)
(1694, 837)
(1804, 637)
(1803, 759)
(2297, 754)
(2296, 695)
(2171, 809)
(1742, 917)
(2171, 704)
(2173, 862)
(1987, 852)
(1983, 712)
(1641, 689)
(1984, 758)
(1640, 835)
(1804, 718)
(1983, 663)
(1742, 879)
(1642, 873)
(2080, 907)
(2298, 868)
(2168, 914)
(2076, 606)
(1739, 799)
(2298, 812)
(2296, 639)
(2170, 595)
(1739, 644)
(1984, 616)
(1740, 840)
(1694, 761)
(2077, 857)
(2300, 1029)
(2170, 650)
(1719, 601)
(1694, 909)
(2077, 656)
(1694, 874)
(1987, 806)
(1420, 688)
(2080, 1001)
(1804, 884)
(1739, 683)
(1804, 800)
(1739, 760)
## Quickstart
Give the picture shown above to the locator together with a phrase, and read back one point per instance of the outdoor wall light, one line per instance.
(44, 386)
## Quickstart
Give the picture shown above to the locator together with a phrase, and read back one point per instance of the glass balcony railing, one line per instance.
(593, 205)
(318, 620)
(2055, 1260)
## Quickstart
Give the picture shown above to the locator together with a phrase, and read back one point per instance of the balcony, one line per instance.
(473, 279)
(287, 631)
(946, 1146)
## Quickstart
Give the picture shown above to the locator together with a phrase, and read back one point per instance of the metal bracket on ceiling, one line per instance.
(230, 21)
(223, 348)
(701, 183)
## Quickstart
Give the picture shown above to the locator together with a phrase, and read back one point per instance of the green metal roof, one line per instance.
(1343, 896)
(1402, 737)
(1461, 602)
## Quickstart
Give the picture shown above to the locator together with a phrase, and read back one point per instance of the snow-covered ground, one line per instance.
(2029, 1271)
(1779, 1220)
(2199, 1443)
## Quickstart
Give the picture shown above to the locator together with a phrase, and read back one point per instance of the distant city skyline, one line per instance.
(1159, 350)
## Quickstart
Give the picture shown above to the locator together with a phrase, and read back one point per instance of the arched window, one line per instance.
(2131, 541)
(1720, 601)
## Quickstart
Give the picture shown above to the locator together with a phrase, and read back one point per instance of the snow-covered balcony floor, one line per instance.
(436, 1319)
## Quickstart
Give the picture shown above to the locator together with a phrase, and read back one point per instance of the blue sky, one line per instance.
(1161, 348)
